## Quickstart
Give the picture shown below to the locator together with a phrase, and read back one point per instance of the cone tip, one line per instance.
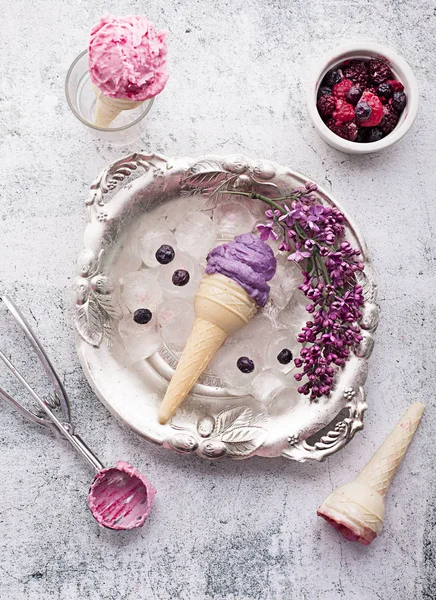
(163, 417)
(417, 407)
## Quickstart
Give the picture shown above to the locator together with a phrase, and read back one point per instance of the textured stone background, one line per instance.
(224, 531)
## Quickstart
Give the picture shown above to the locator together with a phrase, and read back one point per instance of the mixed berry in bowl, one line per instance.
(360, 100)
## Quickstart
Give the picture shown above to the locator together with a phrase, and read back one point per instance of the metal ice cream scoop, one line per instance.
(119, 497)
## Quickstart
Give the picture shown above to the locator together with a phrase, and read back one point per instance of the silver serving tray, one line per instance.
(211, 422)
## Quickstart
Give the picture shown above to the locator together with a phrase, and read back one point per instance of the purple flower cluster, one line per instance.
(314, 233)
(329, 336)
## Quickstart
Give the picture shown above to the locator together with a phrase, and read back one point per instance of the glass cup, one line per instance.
(128, 125)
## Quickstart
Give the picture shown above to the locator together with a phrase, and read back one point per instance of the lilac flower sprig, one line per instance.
(313, 235)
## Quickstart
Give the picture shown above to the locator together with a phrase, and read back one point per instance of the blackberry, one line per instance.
(353, 95)
(245, 364)
(385, 90)
(347, 131)
(180, 277)
(363, 111)
(332, 78)
(326, 105)
(379, 70)
(357, 71)
(399, 100)
(390, 119)
(142, 316)
(372, 134)
(360, 135)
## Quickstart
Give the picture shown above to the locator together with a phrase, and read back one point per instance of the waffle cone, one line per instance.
(357, 508)
(380, 470)
(107, 109)
(222, 307)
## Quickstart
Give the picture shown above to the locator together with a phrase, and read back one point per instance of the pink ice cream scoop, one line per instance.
(120, 497)
(127, 58)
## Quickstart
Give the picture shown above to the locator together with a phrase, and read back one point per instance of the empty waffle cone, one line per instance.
(222, 307)
(357, 509)
(107, 109)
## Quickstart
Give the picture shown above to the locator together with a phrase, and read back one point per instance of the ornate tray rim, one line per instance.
(234, 431)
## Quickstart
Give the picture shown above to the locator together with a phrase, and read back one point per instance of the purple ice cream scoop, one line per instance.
(249, 261)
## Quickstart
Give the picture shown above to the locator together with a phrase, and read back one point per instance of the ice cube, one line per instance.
(267, 385)
(141, 290)
(295, 316)
(139, 340)
(283, 345)
(285, 282)
(274, 390)
(127, 262)
(224, 365)
(195, 234)
(258, 330)
(151, 240)
(231, 219)
(175, 320)
(181, 262)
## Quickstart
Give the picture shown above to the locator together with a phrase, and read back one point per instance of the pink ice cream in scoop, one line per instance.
(127, 58)
(121, 497)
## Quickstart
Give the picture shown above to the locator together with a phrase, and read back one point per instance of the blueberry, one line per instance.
(363, 111)
(332, 78)
(245, 364)
(180, 277)
(399, 100)
(284, 356)
(353, 95)
(324, 91)
(165, 254)
(373, 134)
(385, 90)
(142, 316)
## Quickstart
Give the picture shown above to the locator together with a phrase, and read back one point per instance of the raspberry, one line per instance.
(379, 70)
(396, 85)
(390, 119)
(326, 105)
(344, 112)
(376, 106)
(348, 131)
(357, 72)
(340, 89)
(373, 89)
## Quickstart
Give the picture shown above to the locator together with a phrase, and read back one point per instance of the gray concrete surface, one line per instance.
(222, 531)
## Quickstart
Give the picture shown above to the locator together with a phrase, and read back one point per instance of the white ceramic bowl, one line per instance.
(402, 72)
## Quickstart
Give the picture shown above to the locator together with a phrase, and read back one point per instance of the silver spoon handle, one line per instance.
(42, 356)
(65, 429)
